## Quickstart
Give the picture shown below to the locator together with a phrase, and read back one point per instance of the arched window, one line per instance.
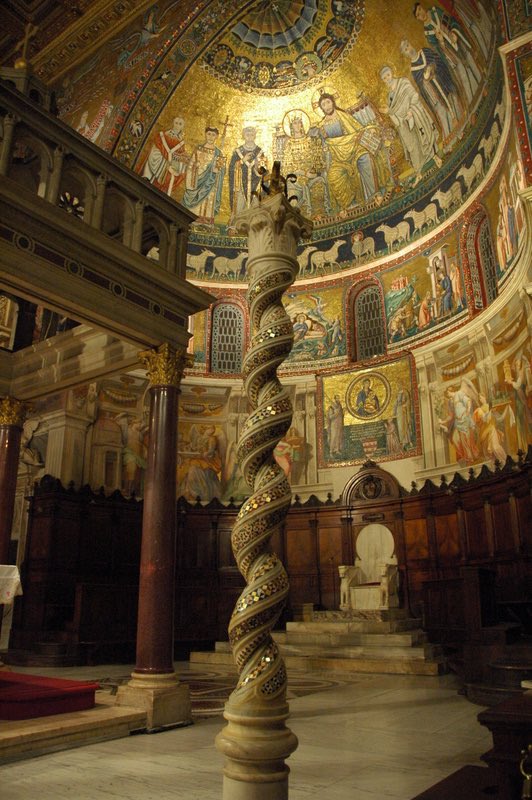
(369, 324)
(227, 339)
(481, 261)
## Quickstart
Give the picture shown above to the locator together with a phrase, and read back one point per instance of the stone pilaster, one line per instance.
(154, 685)
(256, 741)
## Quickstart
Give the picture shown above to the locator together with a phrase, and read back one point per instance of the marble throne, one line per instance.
(372, 583)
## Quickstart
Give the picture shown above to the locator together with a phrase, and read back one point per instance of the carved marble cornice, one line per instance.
(165, 366)
(12, 411)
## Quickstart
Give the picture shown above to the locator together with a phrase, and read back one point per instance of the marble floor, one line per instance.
(374, 736)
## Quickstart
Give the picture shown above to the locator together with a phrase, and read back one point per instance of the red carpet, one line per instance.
(29, 696)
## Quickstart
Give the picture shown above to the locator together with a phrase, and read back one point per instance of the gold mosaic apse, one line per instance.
(338, 122)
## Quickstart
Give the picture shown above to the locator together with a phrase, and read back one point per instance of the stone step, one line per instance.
(356, 639)
(326, 664)
(373, 651)
(43, 735)
(316, 627)
(384, 614)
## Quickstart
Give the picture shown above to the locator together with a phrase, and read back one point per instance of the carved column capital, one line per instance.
(165, 366)
(273, 225)
(12, 411)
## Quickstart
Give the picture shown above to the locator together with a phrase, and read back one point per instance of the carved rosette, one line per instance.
(12, 411)
(165, 366)
(273, 228)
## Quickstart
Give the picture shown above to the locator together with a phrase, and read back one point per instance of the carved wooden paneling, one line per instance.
(78, 539)
(504, 535)
(416, 539)
(444, 617)
(300, 549)
(304, 588)
(477, 534)
(447, 537)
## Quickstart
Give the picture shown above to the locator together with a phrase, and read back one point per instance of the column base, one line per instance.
(244, 790)
(256, 743)
(165, 700)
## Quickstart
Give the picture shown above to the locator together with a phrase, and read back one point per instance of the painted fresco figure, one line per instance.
(489, 436)
(134, 451)
(459, 424)
(357, 170)
(367, 402)
(519, 377)
(445, 35)
(202, 478)
(244, 171)
(204, 177)
(335, 427)
(436, 86)
(165, 166)
(402, 412)
(415, 126)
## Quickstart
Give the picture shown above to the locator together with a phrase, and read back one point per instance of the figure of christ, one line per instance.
(357, 170)
(367, 404)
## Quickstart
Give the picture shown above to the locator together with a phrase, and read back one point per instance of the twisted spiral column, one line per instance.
(256, 740)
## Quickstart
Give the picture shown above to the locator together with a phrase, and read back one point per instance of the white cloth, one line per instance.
(10, 585)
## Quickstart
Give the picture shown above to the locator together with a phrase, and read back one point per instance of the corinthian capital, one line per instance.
(165, 366)
(273, 225)
(12, 411)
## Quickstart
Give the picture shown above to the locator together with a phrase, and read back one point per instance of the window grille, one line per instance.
(227, 341)
(370, 330)
(487, 260)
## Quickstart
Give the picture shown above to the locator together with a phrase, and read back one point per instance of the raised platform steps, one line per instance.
(33, 737)
(387, 642)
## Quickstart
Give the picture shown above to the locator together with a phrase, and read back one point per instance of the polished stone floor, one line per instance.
(375, 736)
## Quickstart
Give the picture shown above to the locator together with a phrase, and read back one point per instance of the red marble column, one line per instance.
(155, 631)
(12, 415)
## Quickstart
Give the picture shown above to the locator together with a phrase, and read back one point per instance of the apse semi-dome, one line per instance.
(391, 118)
(382, 111)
